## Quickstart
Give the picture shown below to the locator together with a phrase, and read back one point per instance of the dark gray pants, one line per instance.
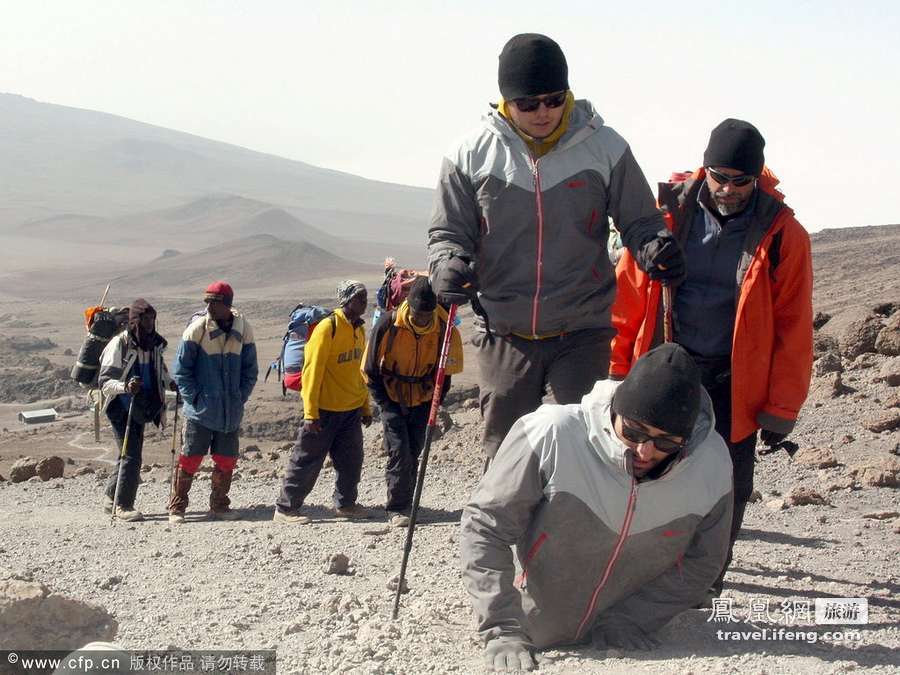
(341, 437)
(517, 373)
(404, 436)
(128, 468)
(743, 457)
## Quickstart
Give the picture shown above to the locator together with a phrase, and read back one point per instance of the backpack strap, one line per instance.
(392, 332)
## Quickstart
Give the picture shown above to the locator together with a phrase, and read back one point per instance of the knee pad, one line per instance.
(190, 463)
(225, 463)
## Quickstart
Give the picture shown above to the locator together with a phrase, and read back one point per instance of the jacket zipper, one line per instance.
(626, 526)
(540, 247)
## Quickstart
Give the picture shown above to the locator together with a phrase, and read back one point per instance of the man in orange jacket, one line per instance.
(744, 311)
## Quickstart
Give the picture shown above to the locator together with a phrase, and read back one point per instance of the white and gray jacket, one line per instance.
(537, 230)
(117, 361)
(595, 545)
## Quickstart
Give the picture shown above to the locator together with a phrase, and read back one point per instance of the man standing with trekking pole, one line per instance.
(744, 312)
(521, 222)
(133, 378)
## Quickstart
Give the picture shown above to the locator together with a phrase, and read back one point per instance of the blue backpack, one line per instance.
(289, 363)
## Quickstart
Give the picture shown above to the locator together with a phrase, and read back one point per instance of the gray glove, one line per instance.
(508, 655)
(622, 636)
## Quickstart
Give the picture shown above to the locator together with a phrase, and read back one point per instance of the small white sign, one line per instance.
(842, 610)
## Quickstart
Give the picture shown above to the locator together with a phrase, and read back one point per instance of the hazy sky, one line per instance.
(382, 89)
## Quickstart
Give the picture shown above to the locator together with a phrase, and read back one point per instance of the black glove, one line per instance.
(454, 281)
(508, 655)
(662, 258)
(621, 636)
(771, 438)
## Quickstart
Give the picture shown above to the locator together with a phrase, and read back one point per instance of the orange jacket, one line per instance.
(772, 350)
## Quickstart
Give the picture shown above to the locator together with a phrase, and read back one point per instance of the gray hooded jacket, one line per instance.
(595, 546)
(538, 229)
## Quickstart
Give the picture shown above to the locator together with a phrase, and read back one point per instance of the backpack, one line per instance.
(396, 285)
(289, 364)
(102, 324)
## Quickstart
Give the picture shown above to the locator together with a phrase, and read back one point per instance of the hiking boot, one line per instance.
(107, 504)
(353, 512)
(290, 517)
(219, 503)
(178, 503)
(397, 519)
(225, 514)
(129, 515)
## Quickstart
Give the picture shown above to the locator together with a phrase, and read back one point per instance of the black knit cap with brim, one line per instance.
(530, 65)
(662, 390)
(421, 297)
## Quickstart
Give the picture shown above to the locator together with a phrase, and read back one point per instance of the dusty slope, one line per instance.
(254, 584)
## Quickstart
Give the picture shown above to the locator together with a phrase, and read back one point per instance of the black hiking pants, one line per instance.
(404, 436)
(341, 437)
(516, 374)
(743, 457)
(128, 468)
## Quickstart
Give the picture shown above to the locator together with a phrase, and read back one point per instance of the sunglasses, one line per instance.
(662, 443)
(532, 103)
(738, 181)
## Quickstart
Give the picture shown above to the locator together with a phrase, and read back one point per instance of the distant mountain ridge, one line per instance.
(58, 160)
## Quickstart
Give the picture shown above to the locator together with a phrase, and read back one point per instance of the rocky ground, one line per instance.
(825, 524)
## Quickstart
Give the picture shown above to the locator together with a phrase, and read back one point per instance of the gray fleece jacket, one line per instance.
(595, 545)
(537, 230)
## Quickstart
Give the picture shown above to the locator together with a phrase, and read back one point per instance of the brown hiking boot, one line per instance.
(353, 512)
(219, 503)
(178, 502)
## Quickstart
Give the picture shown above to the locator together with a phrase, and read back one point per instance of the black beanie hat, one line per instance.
(421, 298)
(531, 64)
(661, 390)
(736, 144)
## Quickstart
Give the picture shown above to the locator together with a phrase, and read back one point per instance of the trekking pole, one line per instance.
(667, 312)
(105, 293)
(121, 462)
(174, 442)
(423, 461)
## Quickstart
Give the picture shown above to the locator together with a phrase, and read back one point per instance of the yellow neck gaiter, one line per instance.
(406, 320)
(541, 146)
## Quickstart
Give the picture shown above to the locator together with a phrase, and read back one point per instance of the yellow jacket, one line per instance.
(331, 368)
(401, 358)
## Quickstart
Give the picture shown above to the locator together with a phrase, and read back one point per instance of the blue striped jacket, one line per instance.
(216, 372)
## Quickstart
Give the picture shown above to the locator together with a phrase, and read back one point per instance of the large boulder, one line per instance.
(51, 467)
(819, 458)
(823, 343)
(890, 372)
(888, 340)
(33, 617)
(883, 472)
(886, 420)
(829, 362)
(23, 469)
(855, 329)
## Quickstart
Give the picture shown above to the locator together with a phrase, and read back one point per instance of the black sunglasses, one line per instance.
(532, 103)
(737, 181)
(661, 443)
